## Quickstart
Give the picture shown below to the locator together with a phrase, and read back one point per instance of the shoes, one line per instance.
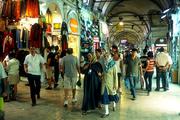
(156, 89)
(65, 103)
(27, 84)
(74, 100)
(84, 113)
(114, 108)
(148, 93)
(55, 85)
(34, 104)
(105, 115)
(38, 96)
(49, 88)
(134, 98)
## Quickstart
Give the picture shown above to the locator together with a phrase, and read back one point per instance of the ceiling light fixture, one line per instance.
(162, 17)
(165, 11)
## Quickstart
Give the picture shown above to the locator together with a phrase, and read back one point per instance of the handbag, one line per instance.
(78, 83)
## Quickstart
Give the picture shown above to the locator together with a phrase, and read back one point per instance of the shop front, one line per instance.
(175, 44)
(73, 36)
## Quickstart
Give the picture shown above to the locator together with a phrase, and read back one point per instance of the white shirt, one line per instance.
(2, 71)
(170, 59)
(118, 69)
(13, 67)
(34, 63)
(162, 59)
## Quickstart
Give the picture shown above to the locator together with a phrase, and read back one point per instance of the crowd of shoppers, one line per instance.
(103, 74)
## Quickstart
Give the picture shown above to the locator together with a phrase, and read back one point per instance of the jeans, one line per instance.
(35, 86)
(161, 75)
(132, 82)
(148, 80)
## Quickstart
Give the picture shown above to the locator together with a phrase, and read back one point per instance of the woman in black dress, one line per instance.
(92, 84)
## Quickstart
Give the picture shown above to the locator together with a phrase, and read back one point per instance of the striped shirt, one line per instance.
(150, 65)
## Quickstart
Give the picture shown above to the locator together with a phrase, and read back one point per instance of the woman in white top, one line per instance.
(13, 74)
(119, 68)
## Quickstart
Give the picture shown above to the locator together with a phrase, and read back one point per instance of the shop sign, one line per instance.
(74, 25)
(96, 39)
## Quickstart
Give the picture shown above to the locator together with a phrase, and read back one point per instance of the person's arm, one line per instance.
(78, 68)
(115, 83)
(26, 65)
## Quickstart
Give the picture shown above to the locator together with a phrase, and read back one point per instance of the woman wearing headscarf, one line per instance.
(109, 84)
(92, 84)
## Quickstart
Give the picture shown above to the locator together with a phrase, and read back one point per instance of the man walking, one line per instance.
(32, 66)
(132, 71)
(70, 66)
(162, 63)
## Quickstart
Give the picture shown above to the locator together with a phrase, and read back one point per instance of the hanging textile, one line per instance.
(23, 8)
(17, 11)
(1, 42)
(7, 9)
(8, 42)
(36, 36)
(2, 25)
(32, 9)
(1, 8)
(64, 32)
(48, 16)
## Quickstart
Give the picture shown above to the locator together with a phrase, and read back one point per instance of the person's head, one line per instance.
(91, 57)
(144, 51)
(69, 51)
(11, 55)
(134, 52)
(107, 56)
(98, 52)
(150, 54)
(161, 49)
(32, 50)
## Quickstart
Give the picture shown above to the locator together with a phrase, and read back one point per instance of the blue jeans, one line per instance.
(132, 82)
(148, 80)
(161, 75)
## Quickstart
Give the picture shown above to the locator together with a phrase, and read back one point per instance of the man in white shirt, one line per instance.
(32, 66)
(162, 63)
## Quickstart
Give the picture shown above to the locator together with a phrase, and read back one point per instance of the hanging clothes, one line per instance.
(1, 8)
(48, 16)
(7, 9)
(1, 42)
(23, 8)
(32, 8)
(36, 36)
(64, 32)
(8, 42)
(17, 10)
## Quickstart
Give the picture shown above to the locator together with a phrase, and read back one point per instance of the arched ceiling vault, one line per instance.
(140, 17)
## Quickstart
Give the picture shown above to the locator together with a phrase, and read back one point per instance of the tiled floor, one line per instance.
(158, 106)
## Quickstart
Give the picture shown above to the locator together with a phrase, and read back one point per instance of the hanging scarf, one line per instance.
(109, 64)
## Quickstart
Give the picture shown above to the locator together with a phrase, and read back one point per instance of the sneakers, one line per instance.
(74, 100)
(49, 88)
(55, 85)
(65, 103)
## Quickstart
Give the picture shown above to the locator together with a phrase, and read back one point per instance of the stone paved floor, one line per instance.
(158, 106)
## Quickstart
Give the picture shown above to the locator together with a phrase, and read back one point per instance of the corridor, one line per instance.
(158, 106)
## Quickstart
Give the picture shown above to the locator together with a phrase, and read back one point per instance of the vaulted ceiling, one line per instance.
(141, 18)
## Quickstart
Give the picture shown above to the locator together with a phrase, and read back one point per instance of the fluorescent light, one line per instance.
(165, 11)
(163, 16)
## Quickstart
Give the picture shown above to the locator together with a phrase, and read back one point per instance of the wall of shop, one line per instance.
(175, 45)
